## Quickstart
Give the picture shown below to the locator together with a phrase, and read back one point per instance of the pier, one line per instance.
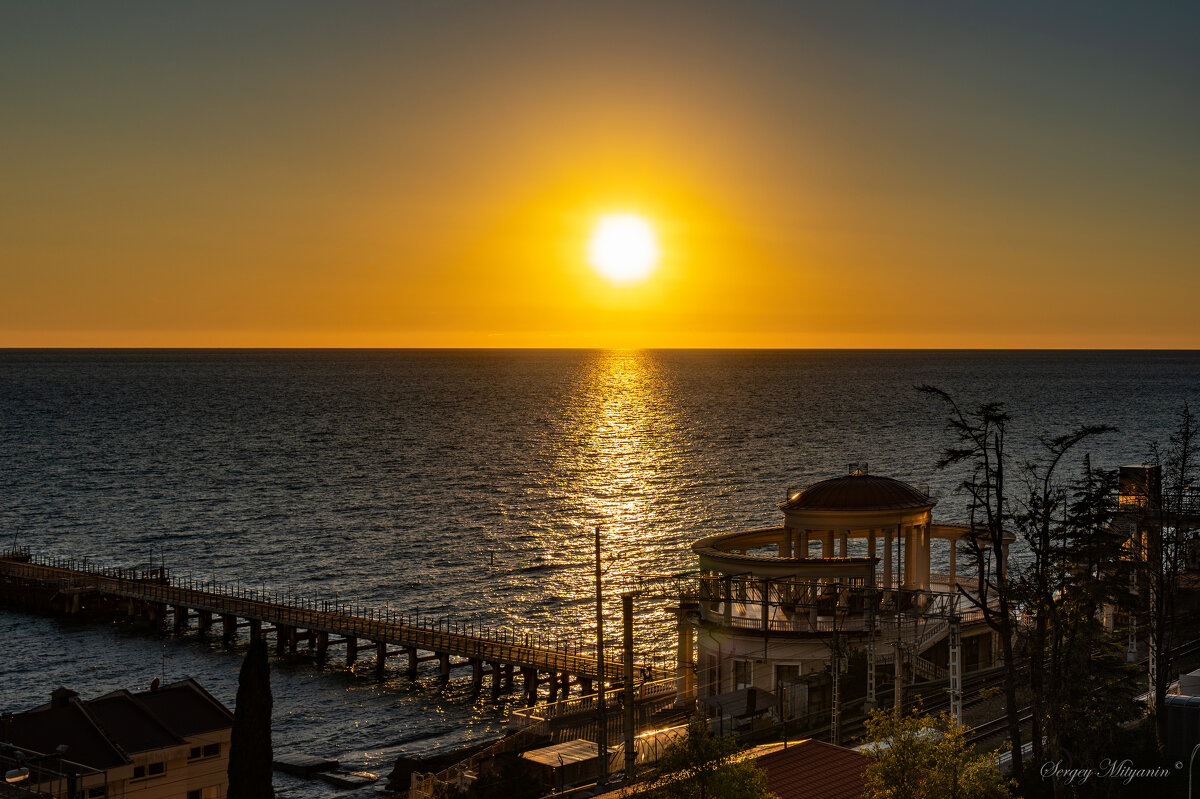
(33, 582)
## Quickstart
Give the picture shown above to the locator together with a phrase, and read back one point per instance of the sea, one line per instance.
(465, 486)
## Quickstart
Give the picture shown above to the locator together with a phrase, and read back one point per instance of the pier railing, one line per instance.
(650, 691)
(347, 619)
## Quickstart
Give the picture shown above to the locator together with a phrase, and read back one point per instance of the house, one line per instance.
(171, 742)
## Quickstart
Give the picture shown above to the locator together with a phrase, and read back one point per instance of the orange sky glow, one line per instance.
(428, 175)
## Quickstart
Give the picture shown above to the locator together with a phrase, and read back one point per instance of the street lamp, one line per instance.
(1191, 759)
(16, 775)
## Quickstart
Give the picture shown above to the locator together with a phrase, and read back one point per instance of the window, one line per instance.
(208, 750)
(743, 674)
(786, 674)
(154, 769)
(139, 772)
(194, 794)
(97, 792)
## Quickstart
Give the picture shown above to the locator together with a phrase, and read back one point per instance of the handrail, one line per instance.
(154, 586)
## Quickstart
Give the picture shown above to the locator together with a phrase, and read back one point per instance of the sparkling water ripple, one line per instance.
(466, 483)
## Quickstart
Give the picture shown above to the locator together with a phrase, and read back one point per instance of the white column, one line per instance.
(844, 544)
(871, 552)
(827, 544)
(910, 551)
(887, 558)
(923, 577)
(803, 553)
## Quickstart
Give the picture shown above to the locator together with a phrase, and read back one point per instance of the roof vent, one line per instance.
(858, 469)
(61, 697)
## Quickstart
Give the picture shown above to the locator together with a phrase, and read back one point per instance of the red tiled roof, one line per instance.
(814, 770)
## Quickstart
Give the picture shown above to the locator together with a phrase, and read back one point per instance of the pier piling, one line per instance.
(496, 677)
(43, 584)
(411, 651)
(530, 680)
(476, 675)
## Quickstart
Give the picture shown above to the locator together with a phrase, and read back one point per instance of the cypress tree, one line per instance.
(250, 761)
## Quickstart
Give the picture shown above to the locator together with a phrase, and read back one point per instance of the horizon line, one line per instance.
(591, 349)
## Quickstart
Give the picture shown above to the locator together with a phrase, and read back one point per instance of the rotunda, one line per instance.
(848, 574)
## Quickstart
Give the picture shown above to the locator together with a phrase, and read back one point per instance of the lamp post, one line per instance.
(1191, 759)
(602, 739)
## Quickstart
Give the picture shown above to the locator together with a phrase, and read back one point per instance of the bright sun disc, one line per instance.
(623, 248)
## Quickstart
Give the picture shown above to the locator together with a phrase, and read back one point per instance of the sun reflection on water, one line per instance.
(621, 454)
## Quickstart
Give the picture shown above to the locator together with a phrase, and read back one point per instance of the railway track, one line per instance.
(990, 728)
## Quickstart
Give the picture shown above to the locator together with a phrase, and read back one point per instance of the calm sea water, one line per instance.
(467, 483)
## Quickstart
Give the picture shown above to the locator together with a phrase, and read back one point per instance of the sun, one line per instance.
(623, 248)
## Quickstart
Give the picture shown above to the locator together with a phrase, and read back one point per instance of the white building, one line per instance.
(848, 570)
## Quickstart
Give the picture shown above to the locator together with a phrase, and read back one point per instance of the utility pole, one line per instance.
(602, 711)
(956, 697)
(835, 720)
(870, 703)
(630, 701)
(1131, 645)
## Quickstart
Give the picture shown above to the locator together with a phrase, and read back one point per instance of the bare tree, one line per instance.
(980, 442)
(1041, 518)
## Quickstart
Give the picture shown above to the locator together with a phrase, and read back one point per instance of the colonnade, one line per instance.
(904, 551)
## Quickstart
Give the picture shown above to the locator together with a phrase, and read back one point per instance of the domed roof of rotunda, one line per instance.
(859, 492)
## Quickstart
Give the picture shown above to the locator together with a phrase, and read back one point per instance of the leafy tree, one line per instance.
(1088, 689)
(706, 766)
(250, 761)
(1168, 508)
(922, 757)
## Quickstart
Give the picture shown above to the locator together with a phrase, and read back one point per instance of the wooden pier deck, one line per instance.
(70, 588)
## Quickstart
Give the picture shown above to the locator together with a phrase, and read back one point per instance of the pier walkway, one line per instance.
(64, 586)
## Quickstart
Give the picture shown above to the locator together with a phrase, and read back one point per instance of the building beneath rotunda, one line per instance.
(838, 604)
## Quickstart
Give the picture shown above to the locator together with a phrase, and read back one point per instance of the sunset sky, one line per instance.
(429, 174)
